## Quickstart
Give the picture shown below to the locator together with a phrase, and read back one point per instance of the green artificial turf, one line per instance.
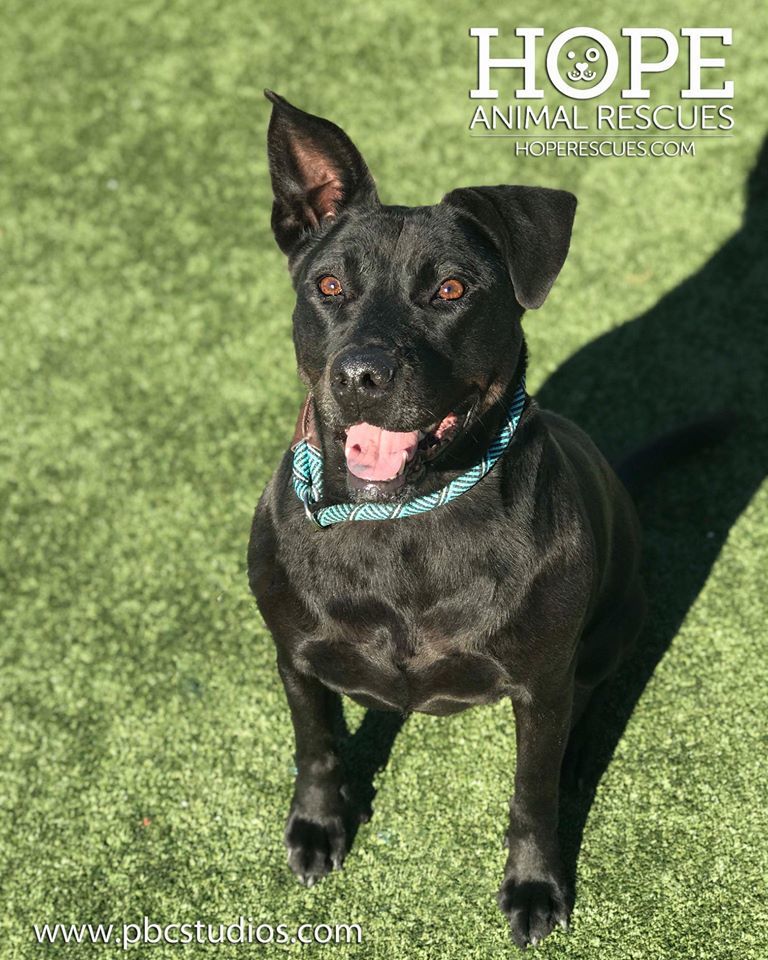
(147, 390)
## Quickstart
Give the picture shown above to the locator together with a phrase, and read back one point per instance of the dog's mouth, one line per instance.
(379, 455)
(378, 460)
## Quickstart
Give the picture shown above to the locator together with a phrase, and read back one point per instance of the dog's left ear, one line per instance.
(531, 226)
(316, 172)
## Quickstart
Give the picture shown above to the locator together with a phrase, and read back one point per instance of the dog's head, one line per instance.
(407, 321)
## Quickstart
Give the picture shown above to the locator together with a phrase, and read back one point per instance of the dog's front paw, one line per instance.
(316, 845)
(534, 906)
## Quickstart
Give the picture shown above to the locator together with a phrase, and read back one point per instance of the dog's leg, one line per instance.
(316, 831)
(604, 646)
(534, 894)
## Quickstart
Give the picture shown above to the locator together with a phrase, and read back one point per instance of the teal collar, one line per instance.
(308, 474)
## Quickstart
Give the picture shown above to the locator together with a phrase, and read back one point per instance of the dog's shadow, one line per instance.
(700, 349)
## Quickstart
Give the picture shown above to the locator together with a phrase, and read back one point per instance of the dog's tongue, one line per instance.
(376, 454)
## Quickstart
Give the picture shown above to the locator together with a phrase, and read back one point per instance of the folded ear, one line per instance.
(316, 171)
(531, 226)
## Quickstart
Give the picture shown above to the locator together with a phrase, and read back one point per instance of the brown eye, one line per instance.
(330, 286)
(451, 289)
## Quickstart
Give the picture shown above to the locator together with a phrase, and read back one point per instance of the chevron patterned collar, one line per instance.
(308, 473)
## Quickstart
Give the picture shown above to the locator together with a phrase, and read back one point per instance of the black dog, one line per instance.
(408, 337)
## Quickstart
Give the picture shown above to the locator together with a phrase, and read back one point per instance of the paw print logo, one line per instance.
(581, 69)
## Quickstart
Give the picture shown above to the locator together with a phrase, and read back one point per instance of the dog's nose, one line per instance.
(368, 373)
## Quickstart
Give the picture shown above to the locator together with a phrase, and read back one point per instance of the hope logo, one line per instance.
(583, 62)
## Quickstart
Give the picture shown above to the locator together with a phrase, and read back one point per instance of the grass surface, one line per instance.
(147, 390)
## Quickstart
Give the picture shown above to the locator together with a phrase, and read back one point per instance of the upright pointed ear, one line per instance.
(316, 172)
(532, 228)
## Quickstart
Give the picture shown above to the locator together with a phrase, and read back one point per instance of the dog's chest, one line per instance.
(413, 635)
